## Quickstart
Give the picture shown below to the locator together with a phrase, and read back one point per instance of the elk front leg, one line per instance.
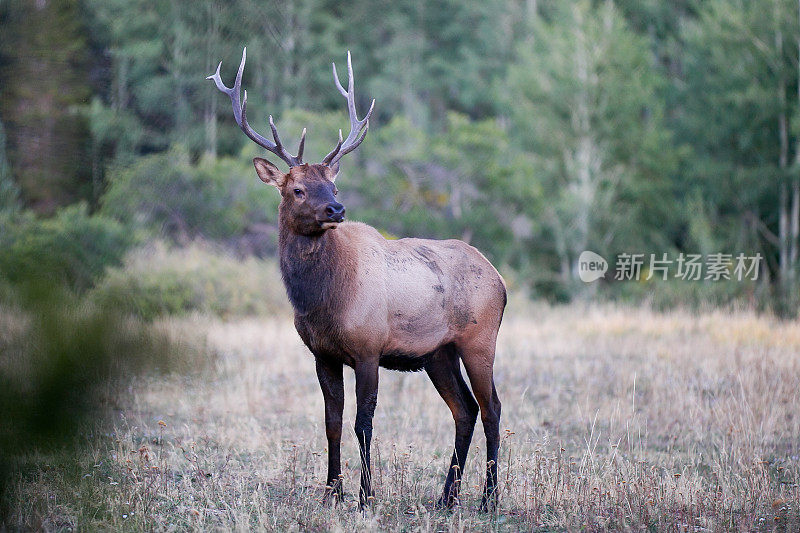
(366, 399)
(332, 385)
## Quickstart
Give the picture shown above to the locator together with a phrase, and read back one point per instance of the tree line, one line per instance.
(534, 129)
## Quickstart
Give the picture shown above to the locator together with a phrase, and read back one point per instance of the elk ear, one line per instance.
(269, 173)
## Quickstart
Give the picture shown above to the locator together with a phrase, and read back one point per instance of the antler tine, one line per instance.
(232, 92)
(250, 132)
(358, 128)
(240, 114)
(336, 77)
(275, 136)
(353, 145)
(302, 145)
(335, 151)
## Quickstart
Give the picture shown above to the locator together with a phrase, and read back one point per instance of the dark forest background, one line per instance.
(534, 129)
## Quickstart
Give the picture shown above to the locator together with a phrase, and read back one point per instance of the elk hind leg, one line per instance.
(478, 360)
(444, 370)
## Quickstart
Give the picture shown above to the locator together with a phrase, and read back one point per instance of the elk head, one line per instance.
(308, 192)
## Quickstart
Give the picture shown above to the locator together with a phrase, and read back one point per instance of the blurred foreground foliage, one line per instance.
(60, 350)
(65, 356)
(64, 359)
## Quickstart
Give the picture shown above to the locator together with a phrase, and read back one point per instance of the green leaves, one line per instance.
(215, 198)
(584, 101)
(72, 248)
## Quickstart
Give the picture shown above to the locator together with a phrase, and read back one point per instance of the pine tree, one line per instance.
(9, 192)
(740, 115)
(45, 81)
(583, 99)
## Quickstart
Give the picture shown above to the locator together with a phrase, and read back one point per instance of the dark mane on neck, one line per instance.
(312, 282)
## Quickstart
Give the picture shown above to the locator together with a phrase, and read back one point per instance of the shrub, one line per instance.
(166, 194)
(72, 248)
(694, 295)
(158, 280)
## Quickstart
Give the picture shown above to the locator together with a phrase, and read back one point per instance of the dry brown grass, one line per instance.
(615, 419)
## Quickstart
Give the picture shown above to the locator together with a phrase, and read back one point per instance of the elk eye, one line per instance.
(299, 193)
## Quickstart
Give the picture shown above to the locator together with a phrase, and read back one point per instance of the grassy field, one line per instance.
(614, 419)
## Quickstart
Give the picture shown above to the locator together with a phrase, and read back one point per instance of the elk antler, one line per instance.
(356, 126)
(240, 114)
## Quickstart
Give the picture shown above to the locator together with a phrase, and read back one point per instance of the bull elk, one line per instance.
(367, 302)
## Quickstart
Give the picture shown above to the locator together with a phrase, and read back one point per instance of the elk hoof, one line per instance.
(446, 502)
(333, 494)
(366, 504)
(488, 505)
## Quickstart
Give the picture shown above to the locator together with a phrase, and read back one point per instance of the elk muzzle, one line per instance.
(335, 212)
(332, 213)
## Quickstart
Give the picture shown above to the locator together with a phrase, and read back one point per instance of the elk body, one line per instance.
(366, 302)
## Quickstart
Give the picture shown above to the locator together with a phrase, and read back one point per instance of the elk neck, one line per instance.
(311, 270)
